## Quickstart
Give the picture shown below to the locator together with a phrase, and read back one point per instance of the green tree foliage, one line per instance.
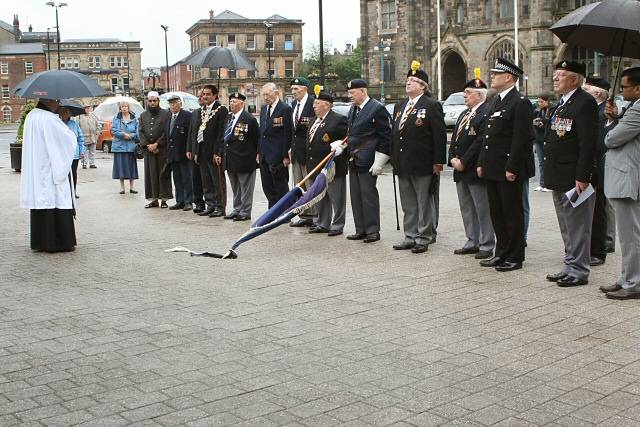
(338, 69)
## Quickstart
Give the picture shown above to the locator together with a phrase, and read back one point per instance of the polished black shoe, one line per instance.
(611, 250)
(610, 288)
(570, 281)
(334, 233)
(164, 205)
(153, 204)
(132, 191)
(404, 246)
(419, 248)
(356, 236)
(302, 223)
(317, 230)
(623, 294)
(466, 251)
(231, 216)
(206, 212)
(493, 262)
(509, 266)
(198, 209)
(216, 213)
(595, 261)
(176, 207)
(371, 237)
(483, 254)
(187, 207)
(554, 277)
(242, 218)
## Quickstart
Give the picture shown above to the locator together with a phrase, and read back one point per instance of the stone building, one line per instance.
(17, 62)
(274, 42)
(473, 34)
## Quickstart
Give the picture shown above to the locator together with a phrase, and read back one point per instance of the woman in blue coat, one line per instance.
(124, 128)
(65, 116)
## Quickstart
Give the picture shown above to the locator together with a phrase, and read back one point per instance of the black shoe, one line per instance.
(371, 237)
(466, 251)
(570, 281)
(216, 213)
(356, 236)
(198, 209)
(334, 233)
(404, 246)
(132, 191)
(121, 191)
(153, 204)
(419, 248)
(77, 197)
(301, 223)
(493, 262)
(483, 254)
(164, 204)
(509, 266)
(176, 207)
(187, 207)
(92, 167)
(206, 212)
(242, 218)
(556, 276)
(231, 216)
(610, 288)
(317, 230)
(611, 250)
(595, 261)
(623, 294)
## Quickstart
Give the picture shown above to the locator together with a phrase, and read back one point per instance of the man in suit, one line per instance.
(196, 177)
(464, 150)
(326, 127)
(503, 163)
(302, 115)
(176, 134)
(599, 89)
(369, 145)
(570, 143)
(419, 149)
(241, 149)
(208, 148)
(276, 128)
(622, 186)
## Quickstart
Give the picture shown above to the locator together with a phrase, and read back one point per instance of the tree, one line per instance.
(338, 68)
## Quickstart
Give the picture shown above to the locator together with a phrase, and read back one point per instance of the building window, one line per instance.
(5, 91)
(272, 73)
(505, 49)
(505, 9)
(69, 63)
(114, 84)
(213, 73)
(94, 62)
(28, 67)
(125, 84)
(269, 42)
(118, 61)
(525, 8)
(443, 14)
(4, 68)
(231, 74)
(288, 69)
(6, 113)
(188, 67)
(587, 56)
(460, 13)
(389, 70)
(288, 42)
(213, 40)
(488, 10)
(251, 41)
(231, 40)
(388, 14)
(252, 73)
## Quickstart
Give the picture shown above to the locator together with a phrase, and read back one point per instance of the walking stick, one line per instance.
(221, 184)
(395, 200)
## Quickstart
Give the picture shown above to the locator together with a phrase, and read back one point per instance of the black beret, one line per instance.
(598, 82)
(357, 84)
(325, 96)
(475, 84)
(237, 95)
(573, 66)
(503, 65)
(419, 74)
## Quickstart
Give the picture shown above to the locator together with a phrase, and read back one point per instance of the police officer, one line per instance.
(504, 156)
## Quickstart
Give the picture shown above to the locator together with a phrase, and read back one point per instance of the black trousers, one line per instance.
(507, 215)
(275, 181)
(599, 229)
(74, 172)
(181, 172)
(198, 194)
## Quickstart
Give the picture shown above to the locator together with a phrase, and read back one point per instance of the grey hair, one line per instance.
(271, 86)
(121, 103)
(482, 92)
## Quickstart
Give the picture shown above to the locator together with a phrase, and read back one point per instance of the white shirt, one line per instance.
(411, 102)
(236, 116)
(566, 96)
(363, 103)
(302, 103)
(473, 109)
(47, 154)
(273, 106)
(505, 92)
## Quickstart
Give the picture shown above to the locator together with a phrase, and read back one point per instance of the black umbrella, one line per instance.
(75, 107)
(58, 84)
(219, 57)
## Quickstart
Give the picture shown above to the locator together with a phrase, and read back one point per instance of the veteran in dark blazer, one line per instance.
(240, 156)
(505, 163)
(570, 144)
(464, 150)
(326, 127)
(419, 149)
(276, 128)
(176, 134)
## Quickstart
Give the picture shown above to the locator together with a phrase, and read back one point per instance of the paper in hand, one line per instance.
(576, 199)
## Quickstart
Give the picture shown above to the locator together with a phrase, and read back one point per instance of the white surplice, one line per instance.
(48, 148)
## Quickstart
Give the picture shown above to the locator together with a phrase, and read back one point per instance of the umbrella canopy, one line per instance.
(109, 107)
(611, 27)
(58, 84)
(75, 107)
(219, 57)
(189, 101)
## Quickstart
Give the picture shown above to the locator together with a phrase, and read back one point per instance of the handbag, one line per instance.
(137, 152)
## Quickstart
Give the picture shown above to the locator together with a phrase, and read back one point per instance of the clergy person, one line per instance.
(45, 182)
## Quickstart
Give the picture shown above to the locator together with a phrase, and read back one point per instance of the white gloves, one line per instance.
(380, 160)
(337, 146)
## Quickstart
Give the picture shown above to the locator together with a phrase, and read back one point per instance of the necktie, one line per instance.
(314, 128)
(229, 129)
(405, 115)
(297, 115)
(268, 111)
(463, 123)
(173, 122)
(557, 107)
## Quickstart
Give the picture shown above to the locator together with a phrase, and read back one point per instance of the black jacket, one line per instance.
(422, 142)
(467, 146)
(508, 139)
(369, 132)
(539, 129)
(569, 153)
(178, 140)
(213, 133)
(241, 146)
(333, 128)
(275, 133)
(299, 139)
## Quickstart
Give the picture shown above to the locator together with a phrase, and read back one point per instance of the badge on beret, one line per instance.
(564, 64)
(325, 137)
(349, 85)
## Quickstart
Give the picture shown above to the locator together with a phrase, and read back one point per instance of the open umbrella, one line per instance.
(109, 107)
(58, 84)
(75, 107)
(189, 101)
(219, 57)
(611, 27)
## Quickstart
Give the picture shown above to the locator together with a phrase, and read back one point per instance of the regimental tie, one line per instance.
(297, 115)
(405, 115)
(229, 128)
(314, 128)
(464, 122)
(173, 122)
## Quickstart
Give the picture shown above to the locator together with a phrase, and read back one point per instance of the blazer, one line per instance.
(275, 133)
(299, 139)
(622, 165)
(213, 133)
(332, 128)
(369, 131)
(151, 128)
(241, 146)
(569, 150)
(508, 138)
(178, 140)
(422, 142)
(467, 146)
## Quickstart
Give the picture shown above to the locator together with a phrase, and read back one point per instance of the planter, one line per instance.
(16, 156)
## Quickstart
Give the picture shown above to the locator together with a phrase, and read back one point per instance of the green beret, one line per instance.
(300, 81)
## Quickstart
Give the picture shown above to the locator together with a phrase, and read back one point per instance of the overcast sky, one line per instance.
(141, 19)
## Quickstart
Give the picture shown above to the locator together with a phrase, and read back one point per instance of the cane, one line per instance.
(222, 185)
(395, 200)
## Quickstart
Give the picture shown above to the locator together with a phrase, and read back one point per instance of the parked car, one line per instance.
(453, 106)
(104, 137)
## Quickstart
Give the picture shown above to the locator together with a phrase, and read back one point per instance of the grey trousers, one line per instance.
(332, 208)
(474, 207)
(299, 171)
(628, 220)
(365, 201)
(89, 154)
(575, 228)
(242, 185)
(611, 225)
(418, 208)
(156, 187)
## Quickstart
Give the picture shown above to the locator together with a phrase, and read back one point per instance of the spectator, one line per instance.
(124, 128)
(90, 129)
(65, 116)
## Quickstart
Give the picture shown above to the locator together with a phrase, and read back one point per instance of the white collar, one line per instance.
(363, 103)
(415, 100)
(303, 101)
(566, 96)
(505, 92)
(476, 107)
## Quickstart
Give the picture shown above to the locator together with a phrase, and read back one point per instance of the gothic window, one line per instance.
(505, 8)
(388, 14)
(460, 13)
(6, 113)
(488, 10)
(506, 50)
(389, 70)
(443, 13)
(587, 56)
(525, 8)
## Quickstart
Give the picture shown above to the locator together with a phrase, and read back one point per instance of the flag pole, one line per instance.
(319, 166)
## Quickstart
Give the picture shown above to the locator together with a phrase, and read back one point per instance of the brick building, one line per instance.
(17, 62)
(179, 77)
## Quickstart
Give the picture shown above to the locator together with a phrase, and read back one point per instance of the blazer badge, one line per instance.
(325, 137)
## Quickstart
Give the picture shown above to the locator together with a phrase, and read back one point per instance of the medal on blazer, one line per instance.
(472, 131)
(325, 137)
(421, 113)
(419, 122)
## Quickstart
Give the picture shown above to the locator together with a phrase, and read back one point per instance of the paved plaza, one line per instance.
(300, 330)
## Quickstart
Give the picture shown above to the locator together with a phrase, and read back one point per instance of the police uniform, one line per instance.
(419, 142)
(507, 147)
(570, 142)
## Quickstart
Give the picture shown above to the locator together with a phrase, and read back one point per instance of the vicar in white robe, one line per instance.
(45, 188)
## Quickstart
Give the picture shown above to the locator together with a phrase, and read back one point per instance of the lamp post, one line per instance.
(382, 47)
(321, 44)
(268, 25)
(57, 6)
(166, 53)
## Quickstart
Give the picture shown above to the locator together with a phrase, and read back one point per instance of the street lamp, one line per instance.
(57, 6)
(268, 25)
(382, 47)
(321, 44)
(166, 53)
